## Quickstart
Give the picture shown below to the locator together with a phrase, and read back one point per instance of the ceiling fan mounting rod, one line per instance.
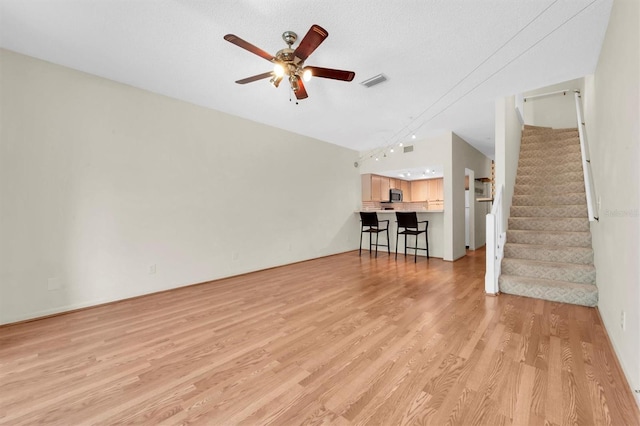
(289, 37)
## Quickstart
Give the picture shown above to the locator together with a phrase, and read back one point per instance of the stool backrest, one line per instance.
(407, 219)
(369, 218)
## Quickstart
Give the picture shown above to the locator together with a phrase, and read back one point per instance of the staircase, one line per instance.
(548, 252)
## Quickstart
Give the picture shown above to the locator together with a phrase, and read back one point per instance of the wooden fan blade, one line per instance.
(255, 78)
(331, 73)
(231, 38)
(301, 93)
(310, 42)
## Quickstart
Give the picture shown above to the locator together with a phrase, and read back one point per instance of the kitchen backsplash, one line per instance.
(409, 206)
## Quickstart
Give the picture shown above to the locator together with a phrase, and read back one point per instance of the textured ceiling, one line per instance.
(446, 61)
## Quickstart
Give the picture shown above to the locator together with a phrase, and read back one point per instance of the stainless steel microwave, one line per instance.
(395, 195)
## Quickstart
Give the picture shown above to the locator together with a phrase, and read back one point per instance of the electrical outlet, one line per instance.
(623, 320)
(152, 269)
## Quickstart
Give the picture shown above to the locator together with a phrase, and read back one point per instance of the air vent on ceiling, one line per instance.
(408, 148)
(380, 78)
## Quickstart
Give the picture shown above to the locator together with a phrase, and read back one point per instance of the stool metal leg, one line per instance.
(376, 244)
(388, 245)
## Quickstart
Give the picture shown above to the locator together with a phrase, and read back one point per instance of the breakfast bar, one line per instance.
(435, 232)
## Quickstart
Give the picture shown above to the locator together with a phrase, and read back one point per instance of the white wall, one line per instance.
(612, 117)
(557, 111)
(99, 181)
(507, 151)
(433, 151)
(464, 156)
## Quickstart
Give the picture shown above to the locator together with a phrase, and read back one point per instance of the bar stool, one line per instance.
(409, 222)
(371, 222)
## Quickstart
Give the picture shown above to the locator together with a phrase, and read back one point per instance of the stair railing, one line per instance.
(584, 149)
(586, 161)
(496, 237)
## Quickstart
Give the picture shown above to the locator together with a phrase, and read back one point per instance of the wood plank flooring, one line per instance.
(342, 340)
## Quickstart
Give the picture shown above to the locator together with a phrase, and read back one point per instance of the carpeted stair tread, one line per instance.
(552, 160)
(547, 169)
(568, 198)
(549, 223)
(567, 210)
(541, 142)
(573, 272)
(549, 188)
(555, 179)
(552, 238)
(550, 149)
(546, 131)
(554, 290)
(549, 253)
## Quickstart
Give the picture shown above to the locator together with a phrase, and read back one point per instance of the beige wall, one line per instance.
(557, 111)
(100, 181)
(507, 151)
(612, 119)
(464, 156)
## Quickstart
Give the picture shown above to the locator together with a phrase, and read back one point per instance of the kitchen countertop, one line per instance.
(393, 211)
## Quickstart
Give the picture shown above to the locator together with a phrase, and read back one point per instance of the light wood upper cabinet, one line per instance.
(405, 186)
(375, 188)
(366, 187)
(419, 190)
(384, 189)
(436, 189)
(431, 190)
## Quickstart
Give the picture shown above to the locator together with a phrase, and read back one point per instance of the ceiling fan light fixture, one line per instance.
(278, 70)
(275, 81)
(307, 74)
(295, 86)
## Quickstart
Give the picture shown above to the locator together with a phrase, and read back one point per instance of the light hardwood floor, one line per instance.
(341, 340)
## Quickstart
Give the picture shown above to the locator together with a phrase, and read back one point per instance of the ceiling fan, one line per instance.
(290, 63)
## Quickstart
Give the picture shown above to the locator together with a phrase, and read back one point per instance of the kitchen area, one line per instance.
(420, 191)
(440, 177)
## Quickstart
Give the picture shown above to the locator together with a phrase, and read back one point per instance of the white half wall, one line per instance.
(507, 152)
(109, 192)
(612, 117)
